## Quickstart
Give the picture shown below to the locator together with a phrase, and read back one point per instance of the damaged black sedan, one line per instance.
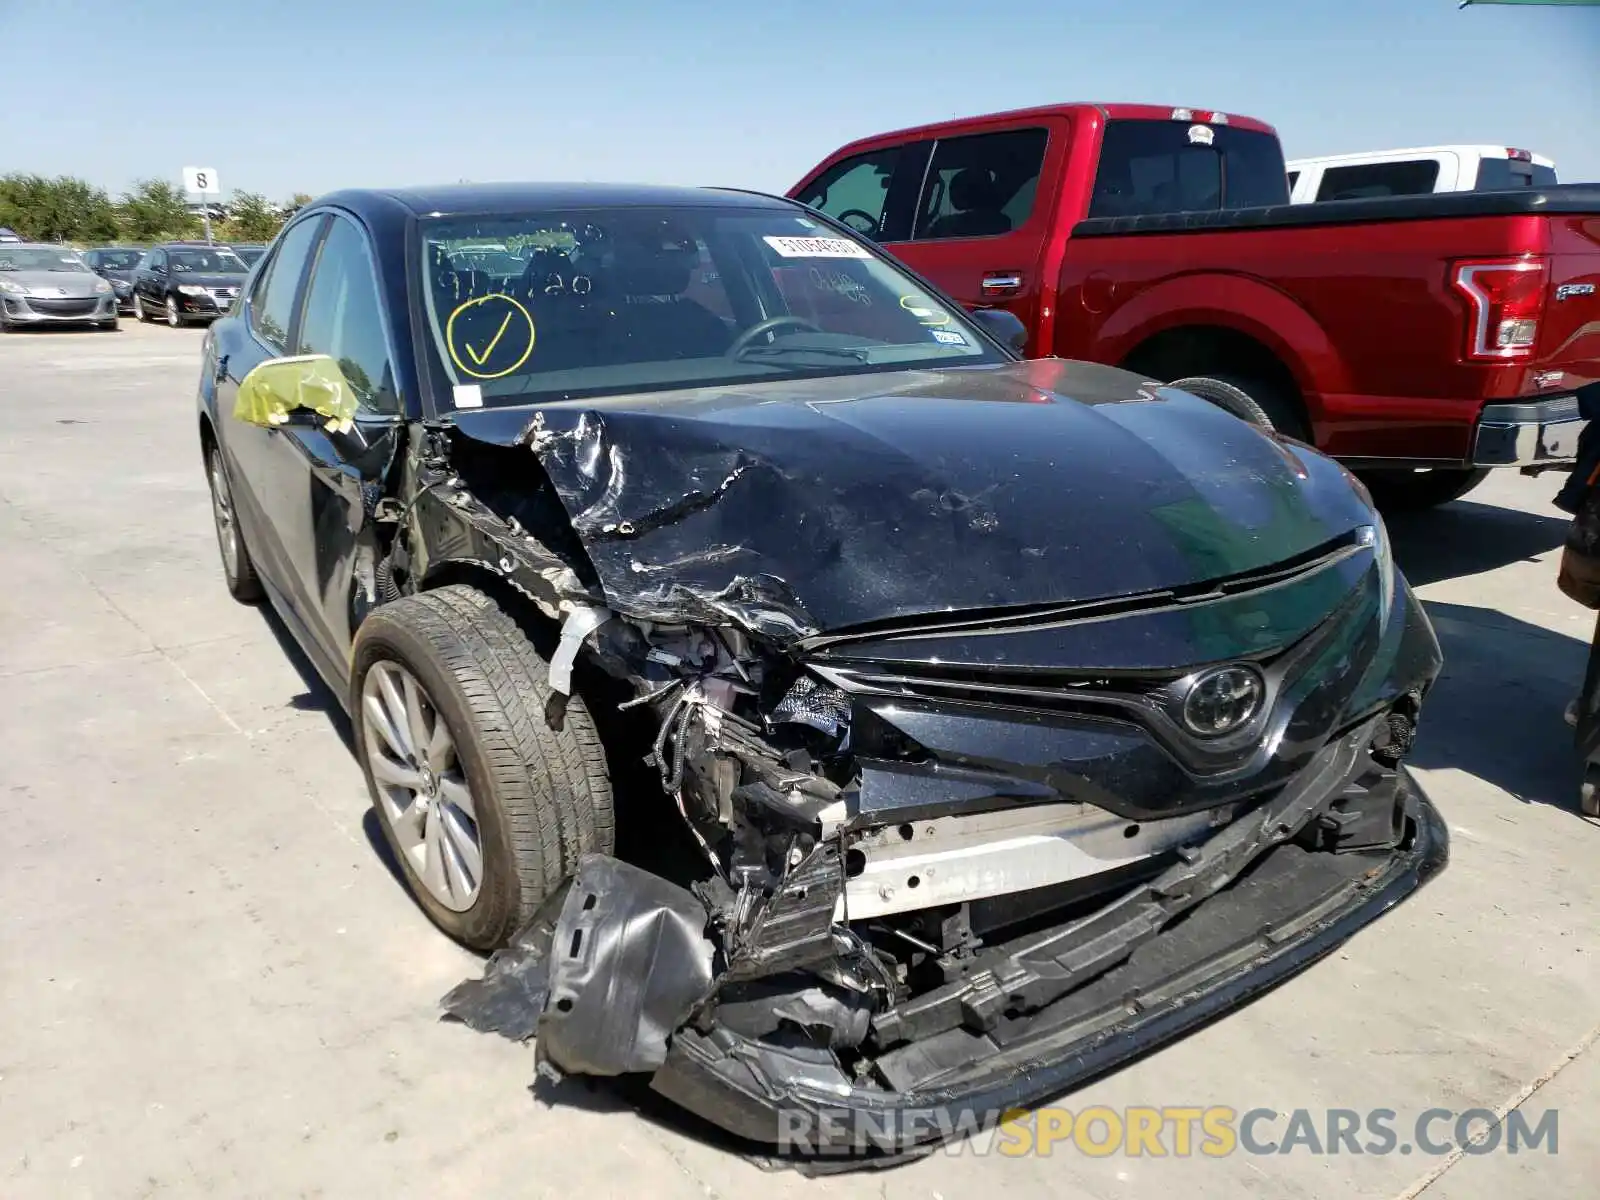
(1017, 715)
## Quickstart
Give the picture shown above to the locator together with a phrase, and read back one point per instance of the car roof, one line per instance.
(40, 246)
(489, 199)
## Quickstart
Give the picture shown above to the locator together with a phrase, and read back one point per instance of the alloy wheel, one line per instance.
(173, 318)
(422, 791)
(222, 514)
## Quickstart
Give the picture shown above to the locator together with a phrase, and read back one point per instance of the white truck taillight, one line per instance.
(1505, 299)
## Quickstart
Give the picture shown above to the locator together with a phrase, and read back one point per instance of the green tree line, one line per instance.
(66, 209)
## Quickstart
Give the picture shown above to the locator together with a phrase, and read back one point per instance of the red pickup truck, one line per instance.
(1420, 339)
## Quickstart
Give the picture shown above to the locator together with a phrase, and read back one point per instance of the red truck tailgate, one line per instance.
(1569, 331)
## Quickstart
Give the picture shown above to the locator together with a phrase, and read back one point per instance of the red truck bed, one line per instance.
(1443, 331)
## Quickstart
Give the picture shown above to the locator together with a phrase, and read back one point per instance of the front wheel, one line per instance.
(1403, 491)
(174, 317)
(139, 313)
(486, 808)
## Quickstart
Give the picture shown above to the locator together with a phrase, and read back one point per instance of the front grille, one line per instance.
(978, 685)
(77, 306)
(224, 293)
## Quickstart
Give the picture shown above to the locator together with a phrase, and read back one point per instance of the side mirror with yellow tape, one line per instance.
(278, 390)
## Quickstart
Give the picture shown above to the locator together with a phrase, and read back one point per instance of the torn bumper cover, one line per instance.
(769, 1016)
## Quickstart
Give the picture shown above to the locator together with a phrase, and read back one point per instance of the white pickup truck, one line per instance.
(1417, 171)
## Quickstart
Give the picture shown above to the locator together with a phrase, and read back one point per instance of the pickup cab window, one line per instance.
(1503, 174)
(982, 185)
(1360, 181)
(873, 193)
(1154, 167)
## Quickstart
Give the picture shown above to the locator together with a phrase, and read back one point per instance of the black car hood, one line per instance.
(209, 281)
(817, 505)
(120, 274)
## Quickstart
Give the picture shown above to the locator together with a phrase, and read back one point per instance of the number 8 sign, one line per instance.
(201, 180)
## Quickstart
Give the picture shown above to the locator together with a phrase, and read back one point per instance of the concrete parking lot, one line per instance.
(211, 984)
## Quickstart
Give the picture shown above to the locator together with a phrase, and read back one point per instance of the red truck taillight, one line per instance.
(1505, 298)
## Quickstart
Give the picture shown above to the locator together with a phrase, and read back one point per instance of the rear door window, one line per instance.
(1502, 174)
(873, 193)
(1361, 181)
(1154, 167)
(982, 185)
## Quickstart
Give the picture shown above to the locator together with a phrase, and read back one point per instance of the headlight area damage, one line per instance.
(956, 863)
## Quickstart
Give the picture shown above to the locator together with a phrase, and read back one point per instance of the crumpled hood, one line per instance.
(75, 284)
(816, 505)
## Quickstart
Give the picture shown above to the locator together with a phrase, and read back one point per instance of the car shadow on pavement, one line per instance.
(1496, 711)
(1466, 538)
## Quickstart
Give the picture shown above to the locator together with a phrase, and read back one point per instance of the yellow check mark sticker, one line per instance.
(480, 359)
(511, 344)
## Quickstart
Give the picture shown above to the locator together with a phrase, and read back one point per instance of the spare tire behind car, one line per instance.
(1399, 490)
(1248, 399)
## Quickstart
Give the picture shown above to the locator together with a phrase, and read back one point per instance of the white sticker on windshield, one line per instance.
(948, 336)
(467, 395)
(1201, 135)
(818, 247)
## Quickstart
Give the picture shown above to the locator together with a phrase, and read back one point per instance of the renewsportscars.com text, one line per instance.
(1179, 1131)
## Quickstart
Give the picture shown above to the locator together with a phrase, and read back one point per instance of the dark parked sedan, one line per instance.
(1018, 715)
(186, 282)
(116, 265)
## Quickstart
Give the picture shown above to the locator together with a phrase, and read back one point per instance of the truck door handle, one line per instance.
(1001, 283)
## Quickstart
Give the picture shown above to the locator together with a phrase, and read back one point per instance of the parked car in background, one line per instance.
(186, 282)
(1416, 172)
(42, 284)
(248, 252)
(116, 264)
(984, 694)
(8, 234)
(1420, 339)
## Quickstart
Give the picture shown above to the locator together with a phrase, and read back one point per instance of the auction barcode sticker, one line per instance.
(801, 247)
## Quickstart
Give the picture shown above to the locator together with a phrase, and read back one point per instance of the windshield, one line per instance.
(545, 305)
(119, 260)
(206, 262)
(39, 258)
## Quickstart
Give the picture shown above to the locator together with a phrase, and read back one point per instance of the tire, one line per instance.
(174, 317)
(110, 326)
(1249, 399)
(139, 312)
(540, 797)
(238, 571)
(1409, 491)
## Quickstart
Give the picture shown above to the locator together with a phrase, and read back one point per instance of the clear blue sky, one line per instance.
(310, 95)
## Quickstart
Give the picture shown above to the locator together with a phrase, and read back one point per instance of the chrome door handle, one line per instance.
(996, 283)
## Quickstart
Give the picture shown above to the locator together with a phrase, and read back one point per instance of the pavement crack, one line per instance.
(1516, 1101)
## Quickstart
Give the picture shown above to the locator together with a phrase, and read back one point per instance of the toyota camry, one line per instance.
(1017, 715)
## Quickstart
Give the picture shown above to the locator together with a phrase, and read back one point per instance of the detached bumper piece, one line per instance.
(1530, 434)
(766, 1010)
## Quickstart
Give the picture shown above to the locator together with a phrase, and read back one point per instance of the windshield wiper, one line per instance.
(779, 350)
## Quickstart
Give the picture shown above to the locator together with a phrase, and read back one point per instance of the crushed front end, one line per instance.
(954, 865)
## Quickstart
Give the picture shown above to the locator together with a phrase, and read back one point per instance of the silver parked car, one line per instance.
(51, 285)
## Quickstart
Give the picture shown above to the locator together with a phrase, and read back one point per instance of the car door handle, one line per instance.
(1001, 283)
